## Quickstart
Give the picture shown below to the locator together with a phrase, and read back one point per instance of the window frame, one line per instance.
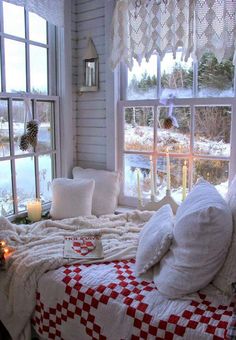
(53, 66)
(192, 103)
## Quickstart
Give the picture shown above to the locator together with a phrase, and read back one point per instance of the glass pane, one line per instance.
(176, 76)
(15, 66)
(139, 128)
(131, 164)
(175, 139)
(45, 135)
(176, 171)
(6, 202)
(25, 181)
(212, 130)
(19, 121)
(37, 28)
(142, 80)
(214, 171)
(45, 177)
(38, 70)
(4, 129)
(14, 19)
(215, 79)
(134, 162)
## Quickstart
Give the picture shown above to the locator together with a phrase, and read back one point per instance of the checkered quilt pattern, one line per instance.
(106, 301)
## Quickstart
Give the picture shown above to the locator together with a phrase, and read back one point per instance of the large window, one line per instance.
(202, 97)
(28, 91)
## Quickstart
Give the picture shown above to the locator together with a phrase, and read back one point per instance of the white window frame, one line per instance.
(191, 102)
(52, 97)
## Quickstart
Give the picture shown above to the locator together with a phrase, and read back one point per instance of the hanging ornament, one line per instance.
(170, 120)
(24, 142)
(32, 128)
(168, 123)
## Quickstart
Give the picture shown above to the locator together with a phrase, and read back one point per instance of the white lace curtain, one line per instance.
(196, 26)
(51, 10)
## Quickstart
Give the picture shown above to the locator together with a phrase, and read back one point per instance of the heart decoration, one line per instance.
(83, 247)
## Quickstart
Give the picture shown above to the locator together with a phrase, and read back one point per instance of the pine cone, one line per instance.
(24, 142)
(168, 123)
(32, 132)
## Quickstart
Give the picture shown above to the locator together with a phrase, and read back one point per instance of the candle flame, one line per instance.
(185, 162)
(6, 250)
(2, 243)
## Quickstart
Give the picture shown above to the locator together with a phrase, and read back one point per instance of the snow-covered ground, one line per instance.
(140, 138)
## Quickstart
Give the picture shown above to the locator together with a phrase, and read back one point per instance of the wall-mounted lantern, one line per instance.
(90, 65)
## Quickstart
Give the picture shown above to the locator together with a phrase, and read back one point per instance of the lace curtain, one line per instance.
(196, 26)
(51, 10)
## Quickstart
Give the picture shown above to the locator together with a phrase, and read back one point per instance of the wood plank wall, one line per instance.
(88, 19)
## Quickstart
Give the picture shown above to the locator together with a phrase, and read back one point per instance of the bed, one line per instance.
(64, 299)
(107, 301)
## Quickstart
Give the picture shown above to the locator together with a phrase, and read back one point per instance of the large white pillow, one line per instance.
(202, 235)
(71, 198)
(107, 189)
(227, 274)
(154, 239)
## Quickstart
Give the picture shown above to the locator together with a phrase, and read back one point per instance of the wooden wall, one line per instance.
(88, 19)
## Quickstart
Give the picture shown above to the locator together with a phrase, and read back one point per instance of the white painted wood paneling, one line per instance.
(89, 108)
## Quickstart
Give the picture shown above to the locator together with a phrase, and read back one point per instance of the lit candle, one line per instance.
(152, 178)
(34, 209)
(168, 169)
(184, 180)
(138, 187)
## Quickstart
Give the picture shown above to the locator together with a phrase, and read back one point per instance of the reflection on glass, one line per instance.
(37, 28)
(212, 130)
(176, 76)
(19, 120)
(45, 177)
(25, 181)
(215, 79)
(14, 19)
(139, 128)
(133, 162)
(142, 80)
(44, 115)
(4, 129)
(15, 66)
(175, 139)
(38, 70)
(214, 171)
(6, 202)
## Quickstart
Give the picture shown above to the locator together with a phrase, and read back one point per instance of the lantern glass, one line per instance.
(90, 72)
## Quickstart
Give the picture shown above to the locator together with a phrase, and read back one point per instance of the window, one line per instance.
(28, 91)
(202, 97)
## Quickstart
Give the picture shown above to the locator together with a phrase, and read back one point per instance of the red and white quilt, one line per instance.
(106, 301)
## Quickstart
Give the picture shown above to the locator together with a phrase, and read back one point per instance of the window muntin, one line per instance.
(28, 73)
(212, 163)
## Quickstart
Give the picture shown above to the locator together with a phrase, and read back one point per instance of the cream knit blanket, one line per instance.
(39, 248)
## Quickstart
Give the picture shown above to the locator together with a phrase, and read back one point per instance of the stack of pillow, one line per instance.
(90, 192)
(203, 249)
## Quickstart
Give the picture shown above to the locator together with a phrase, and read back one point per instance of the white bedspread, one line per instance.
(39, 248)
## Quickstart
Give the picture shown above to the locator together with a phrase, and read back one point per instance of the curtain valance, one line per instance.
(196, 26)
(51, 10)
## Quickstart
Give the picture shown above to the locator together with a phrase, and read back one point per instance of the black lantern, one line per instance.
(90, 64)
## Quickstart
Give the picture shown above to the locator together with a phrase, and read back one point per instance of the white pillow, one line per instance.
(106, 192)
(202, 235)
(227, 274)
(154, 239)
(71, 198)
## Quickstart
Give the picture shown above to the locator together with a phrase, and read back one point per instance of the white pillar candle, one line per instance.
(168, 170)
(34, 209)
(138, 187)
(184, 180)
